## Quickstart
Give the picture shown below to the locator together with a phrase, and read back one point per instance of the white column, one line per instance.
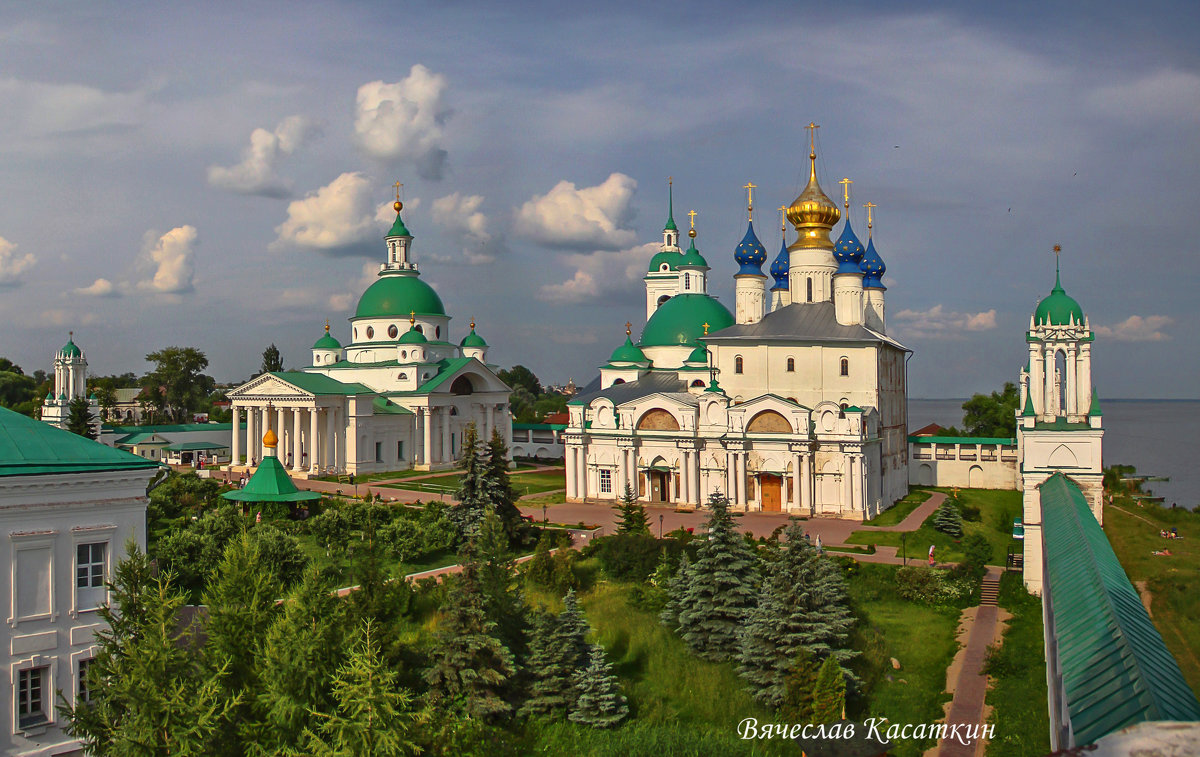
(581, 472)
(488, 421)
(444, 422)
(796, 474)
(847, 477)
(235, 442)
(296, 447)
(570, 472)
(330, 439)
(1085, 378)
(1036, 381)
(506, 426)
(265, 423)
(740, 477)
(856, 482)
(426, 437)
(1049, 404)
(251, 430)
(1072, 389)
(696, 491)
(634, 483)
(314, 446)
(619, 484)
(806, 482)
(731, 477)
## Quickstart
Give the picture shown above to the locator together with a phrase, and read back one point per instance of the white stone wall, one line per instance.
(969, 466)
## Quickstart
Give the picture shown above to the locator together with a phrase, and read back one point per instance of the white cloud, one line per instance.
(39, 109)
(256, 174)
(587, 218)
(59, 317)
(461, 217)
(939, 323)
(99, 288)
(1137, 328)
(340, 214)
(172, 257)
(600, 274)
(1166, 94)
(403, 120)
(341, 302)
(13, 265)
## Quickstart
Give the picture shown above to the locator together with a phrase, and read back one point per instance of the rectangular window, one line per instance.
(399, 451)
(379, 452)
(83, 693)
(31, 689)
(89, 566)
(606, 481)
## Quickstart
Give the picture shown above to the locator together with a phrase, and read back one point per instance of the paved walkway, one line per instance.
(970, 689)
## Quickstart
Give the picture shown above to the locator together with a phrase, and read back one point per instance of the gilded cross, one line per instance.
(670, 181)
(412, 318)
(692, 216)
(706, 329)
(628, 328)
(812, 136)
(783, 217)
(397, 185)
(326, 325)
(869, 206)
(750, 187)
(846, 190)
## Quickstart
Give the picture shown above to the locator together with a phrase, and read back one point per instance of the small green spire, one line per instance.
(1095, 408)
(670, 206)
(1028, 411)
(713, 387)
(398, 228)
(1057, 276)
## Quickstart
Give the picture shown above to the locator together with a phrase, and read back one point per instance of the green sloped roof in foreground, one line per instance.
(270, 483)
(30, 448)
(1116, 671)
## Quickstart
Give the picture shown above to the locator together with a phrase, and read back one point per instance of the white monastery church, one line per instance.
(399, 395)
(794, 402)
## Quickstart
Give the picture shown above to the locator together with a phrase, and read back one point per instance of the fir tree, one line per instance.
(600, 702)
(558, 650)
(496, 572)
(470, 666)
(803, 605)
(502, 495)
(721, 589)
(474, 486)
(373, 714)
(632, 514)
(80, 419)
(800, 684)
(829, 693)
(540, 570)
(150, 695)
(300, 655)
(676, 588)
(949, 519)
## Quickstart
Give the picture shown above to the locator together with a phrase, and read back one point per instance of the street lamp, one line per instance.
(903, 549)
(545, 520)
(660, 525)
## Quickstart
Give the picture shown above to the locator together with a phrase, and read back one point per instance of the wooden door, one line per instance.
(770, 490)
(658, 486)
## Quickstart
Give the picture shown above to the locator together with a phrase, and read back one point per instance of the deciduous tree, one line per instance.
(177, 386)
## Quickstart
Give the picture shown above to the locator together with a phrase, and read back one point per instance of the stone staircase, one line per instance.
(990, 591)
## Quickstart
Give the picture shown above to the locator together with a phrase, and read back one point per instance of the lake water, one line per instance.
(1158, 437)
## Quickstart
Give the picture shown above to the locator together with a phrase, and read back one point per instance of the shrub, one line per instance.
(631, 557)
(920, 583)
(971, 514)
(977, 552)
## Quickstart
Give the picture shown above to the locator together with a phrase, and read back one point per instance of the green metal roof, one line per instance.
(473, 340)
(327, 342)
(384, 406)
(680, 321)
(176, 427)
(1095, 408)
(399, 294)
(398, 228)
(1059, 308)
(70, 349)
(194, 446)
(30, 448)
(961, 439)
(319, 383)
(692, 258)
(627, 353)
(270, 483)
(447, 368)
(1028, 411)
(412, 336)
(139, 438)
(1060, 424)
(1116, 671)
(539, 426)
(670, 257)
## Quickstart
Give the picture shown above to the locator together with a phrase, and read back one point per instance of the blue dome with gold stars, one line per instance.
(779, 268)
(848, 251)
(872, 267)
(750, 254)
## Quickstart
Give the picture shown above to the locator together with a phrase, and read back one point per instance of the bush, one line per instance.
(920, 583)
(631, 557)
(977, 552)
(971, 514)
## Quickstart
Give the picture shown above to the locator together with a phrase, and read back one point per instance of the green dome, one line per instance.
(693, 258)
(1058, 308)
(627, 353)
(680, 321)
(412, 336)
(327, 342)
(70, 350)
(399, 295)
(473, 340)
(398, 228)
(699, 355)
(670, 258)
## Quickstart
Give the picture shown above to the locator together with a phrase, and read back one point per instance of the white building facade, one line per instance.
(796, 402)
(70, 383)
(399, 395)
(68, 507)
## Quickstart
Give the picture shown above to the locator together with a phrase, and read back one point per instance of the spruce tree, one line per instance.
(722, 588)
(470, 666)
(829, 693)
(676, 588)
(373, 716)
(562, 650)
(80, 419)
(502, 495)
(632, 514)
(799, 684)
(600, 702)
(150, 694)
(547, 690)
(474, 486)
(803, 605)
(301, 653)
(949, 519)
(496, 572)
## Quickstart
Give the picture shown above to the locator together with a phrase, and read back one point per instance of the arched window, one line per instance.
(370, 332)
(437, 332)
(318, 358)
(618, 381)
(697, 382)
(461, 385)
(791, 365)
(737, 364)
(663, 299)
(810, 288)
(687, 281)
(393, 331)
(845, 367)
(420, 329)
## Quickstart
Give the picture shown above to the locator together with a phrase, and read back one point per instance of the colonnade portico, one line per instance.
(308, 444)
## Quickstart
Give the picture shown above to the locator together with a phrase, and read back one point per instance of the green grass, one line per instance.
(368, 477)
(901, 510)
(997, 509)
(538, 483)
(1017, 670)
(1171, 580)
(557, 498)
(919, 636)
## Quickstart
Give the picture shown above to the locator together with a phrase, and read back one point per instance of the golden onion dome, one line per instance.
(813, 214)
(270, 439)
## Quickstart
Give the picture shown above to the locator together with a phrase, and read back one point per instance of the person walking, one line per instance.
(932, 562)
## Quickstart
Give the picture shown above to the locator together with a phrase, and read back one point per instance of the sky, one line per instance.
(220, 175)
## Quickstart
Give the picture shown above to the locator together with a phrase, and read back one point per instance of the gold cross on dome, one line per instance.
(1057, 249)
(692, 216)
(412, 318)
(628, 328)
(869, 206)
(706, 329)
(397, 185)
(326, 325)
(846, 190)
(750, 187)
(812, 136)
(783, 217)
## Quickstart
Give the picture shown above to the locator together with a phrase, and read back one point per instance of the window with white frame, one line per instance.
(83, 694)
(606, 481)
(32, 686)
(90, 563)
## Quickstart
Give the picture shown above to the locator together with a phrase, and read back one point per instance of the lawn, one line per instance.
(997, 508)
(369, 477)
(538, 483)
(1171, 580)
(1017, 693)
(901, 510)
(921, 637)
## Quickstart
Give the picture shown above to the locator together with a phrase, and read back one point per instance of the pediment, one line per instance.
(267, 386)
